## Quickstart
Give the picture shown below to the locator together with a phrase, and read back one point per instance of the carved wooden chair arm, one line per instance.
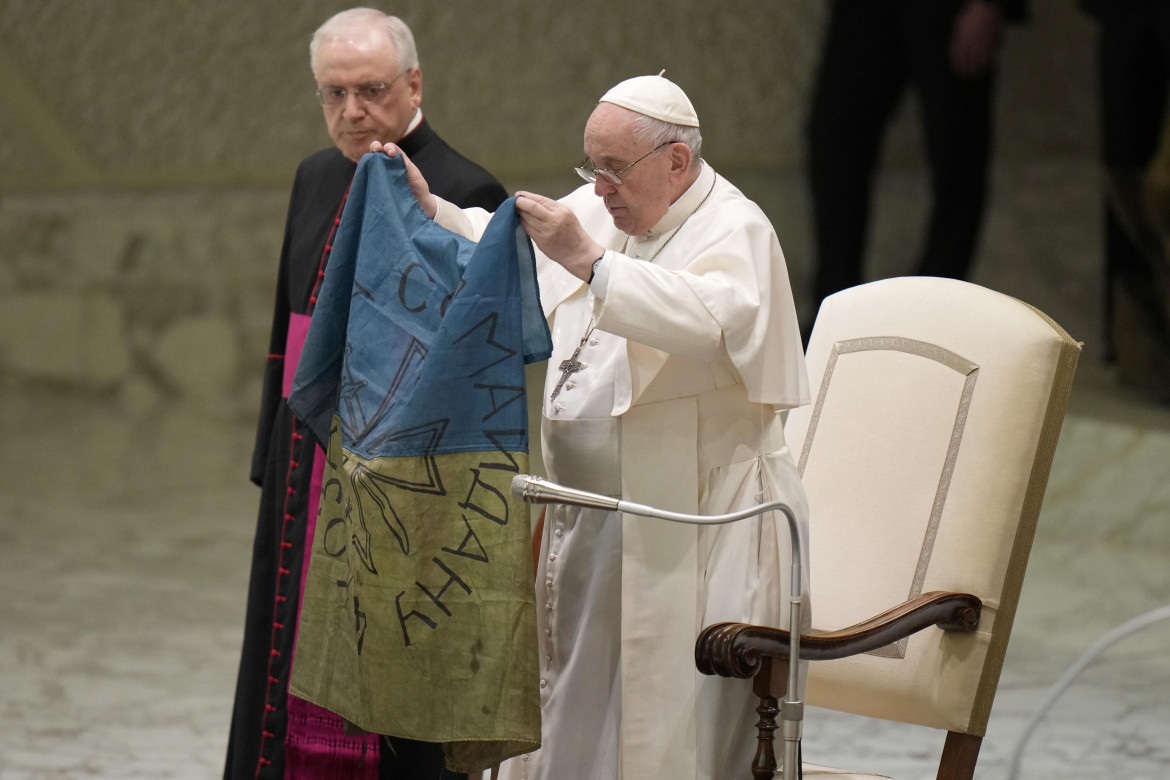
(736, 649)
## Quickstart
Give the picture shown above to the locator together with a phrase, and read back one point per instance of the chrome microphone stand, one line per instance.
(535, 490)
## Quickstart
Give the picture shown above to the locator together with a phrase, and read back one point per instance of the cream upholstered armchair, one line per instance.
(925, 456)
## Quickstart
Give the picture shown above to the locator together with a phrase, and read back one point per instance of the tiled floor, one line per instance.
(124, 549)
(125, 540)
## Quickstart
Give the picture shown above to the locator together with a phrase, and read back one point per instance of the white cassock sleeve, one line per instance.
(469, 222)
(723, 292)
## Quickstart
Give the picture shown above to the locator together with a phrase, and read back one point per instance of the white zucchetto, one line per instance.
(654, 96)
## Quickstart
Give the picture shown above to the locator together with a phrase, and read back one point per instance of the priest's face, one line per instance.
(647, 189)
(352, 66)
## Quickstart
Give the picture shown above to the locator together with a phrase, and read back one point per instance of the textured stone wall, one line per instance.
(143, 93)
(146, 149)
(147, 296)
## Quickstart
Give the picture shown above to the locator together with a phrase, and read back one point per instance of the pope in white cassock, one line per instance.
(675, 347)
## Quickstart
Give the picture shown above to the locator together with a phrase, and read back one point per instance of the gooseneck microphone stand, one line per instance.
(535, 490)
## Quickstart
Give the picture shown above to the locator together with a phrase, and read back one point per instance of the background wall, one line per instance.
(146, 150)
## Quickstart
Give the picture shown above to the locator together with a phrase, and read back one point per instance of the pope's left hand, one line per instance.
(558, 233)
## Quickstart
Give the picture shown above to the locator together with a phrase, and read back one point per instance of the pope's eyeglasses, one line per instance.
(371, 92)
(589, 173)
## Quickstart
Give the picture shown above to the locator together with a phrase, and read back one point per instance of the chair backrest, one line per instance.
(925, 456)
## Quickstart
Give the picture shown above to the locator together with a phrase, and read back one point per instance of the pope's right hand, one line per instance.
(418, 184)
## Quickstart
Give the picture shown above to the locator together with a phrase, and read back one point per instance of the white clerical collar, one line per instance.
(686, 203)
(415, 121)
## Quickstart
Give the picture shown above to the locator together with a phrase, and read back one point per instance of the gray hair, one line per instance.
(656, 132)
(364, 18)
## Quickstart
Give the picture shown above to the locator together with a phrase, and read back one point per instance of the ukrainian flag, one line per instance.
(418, 618)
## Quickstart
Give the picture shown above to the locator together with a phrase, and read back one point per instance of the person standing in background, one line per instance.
(946, 52)
(369, 84)
(1133, 61)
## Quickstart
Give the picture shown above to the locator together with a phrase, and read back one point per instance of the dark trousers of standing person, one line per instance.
(1134, 73)
(874, 51)
(408, 759)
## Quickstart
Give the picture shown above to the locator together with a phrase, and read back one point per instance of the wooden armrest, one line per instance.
(736, 649)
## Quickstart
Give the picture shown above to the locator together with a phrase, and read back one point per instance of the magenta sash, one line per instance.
(315, 743)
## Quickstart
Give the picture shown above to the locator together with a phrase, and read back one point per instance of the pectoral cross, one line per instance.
(572, 365)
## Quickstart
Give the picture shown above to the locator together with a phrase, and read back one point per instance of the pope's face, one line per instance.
(647, 189)
(357, 59)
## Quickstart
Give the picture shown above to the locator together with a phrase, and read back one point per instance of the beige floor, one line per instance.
(125, 540)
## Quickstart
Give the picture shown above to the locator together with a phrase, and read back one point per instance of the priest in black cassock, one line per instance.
(370, 87)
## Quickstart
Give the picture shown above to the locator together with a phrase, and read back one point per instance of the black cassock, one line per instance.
(282, 465)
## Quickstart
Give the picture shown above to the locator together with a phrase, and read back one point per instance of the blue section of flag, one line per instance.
(419, 337)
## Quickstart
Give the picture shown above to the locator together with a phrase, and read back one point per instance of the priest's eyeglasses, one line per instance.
(589, 173)
(370, 92)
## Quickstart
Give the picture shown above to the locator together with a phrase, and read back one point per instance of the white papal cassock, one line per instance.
(694, 352)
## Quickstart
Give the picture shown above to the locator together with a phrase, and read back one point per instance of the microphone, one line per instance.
(535, 490)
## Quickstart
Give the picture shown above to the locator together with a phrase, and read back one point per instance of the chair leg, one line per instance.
(959, 755)
(770, 683)
(764, 764)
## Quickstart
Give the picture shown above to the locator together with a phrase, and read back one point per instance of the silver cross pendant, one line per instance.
(568, 368)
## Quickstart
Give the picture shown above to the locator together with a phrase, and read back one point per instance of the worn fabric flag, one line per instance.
(418, 617)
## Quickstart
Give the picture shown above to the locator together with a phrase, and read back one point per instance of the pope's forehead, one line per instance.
(610, 129)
